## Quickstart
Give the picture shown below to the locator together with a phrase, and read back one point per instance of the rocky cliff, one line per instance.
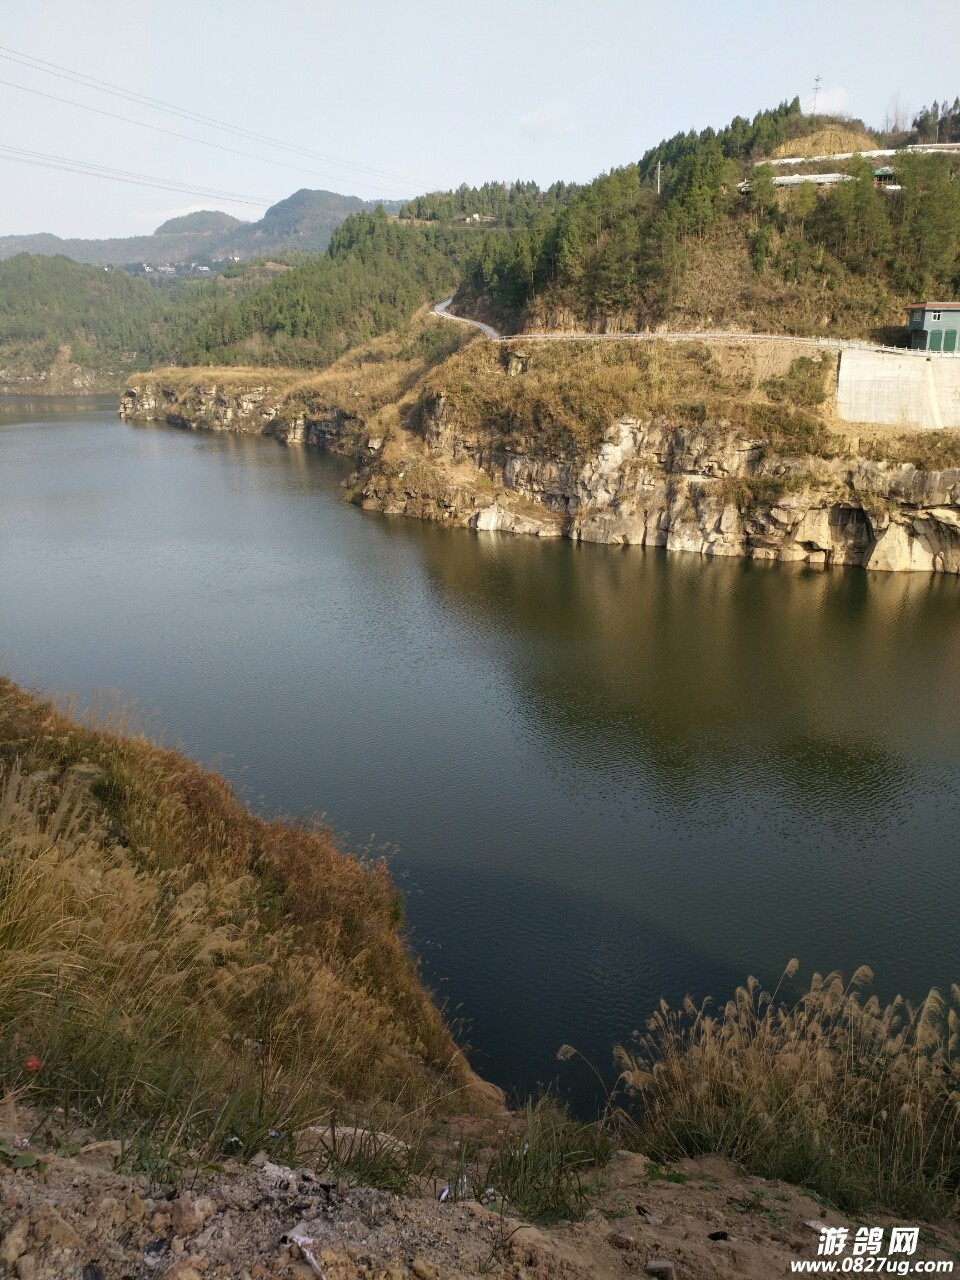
(492, 443)
(63, 376)
(246, 406)
(703, 488)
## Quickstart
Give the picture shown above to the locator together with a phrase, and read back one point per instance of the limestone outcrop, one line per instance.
(700, 488)
(255, 409)
(705, 488)
(62, 378)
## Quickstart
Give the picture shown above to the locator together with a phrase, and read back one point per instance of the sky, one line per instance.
(392, 98)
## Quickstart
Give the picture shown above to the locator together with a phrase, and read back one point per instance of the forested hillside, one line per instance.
(301, 311)
(694, 235)
(376, 273)
(108, 319)
(721, 245)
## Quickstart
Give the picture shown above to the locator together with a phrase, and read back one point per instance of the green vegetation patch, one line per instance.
(542, 1166)
(787, 431)
(760, 490)
(804, 384)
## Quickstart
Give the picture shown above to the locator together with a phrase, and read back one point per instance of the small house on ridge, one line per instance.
(933, 326)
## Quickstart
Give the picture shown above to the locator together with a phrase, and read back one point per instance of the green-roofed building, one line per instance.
(933, 326)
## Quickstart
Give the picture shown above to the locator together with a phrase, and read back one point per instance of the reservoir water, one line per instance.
(606, 774)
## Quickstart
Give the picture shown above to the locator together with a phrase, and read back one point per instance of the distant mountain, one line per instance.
(202, 220)
(67, 326)
(303, 222)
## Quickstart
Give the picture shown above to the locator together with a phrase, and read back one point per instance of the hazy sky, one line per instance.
(432, 92)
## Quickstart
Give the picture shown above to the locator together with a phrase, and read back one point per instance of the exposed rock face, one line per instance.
(255, 409)
(701, 488)
(61, 379)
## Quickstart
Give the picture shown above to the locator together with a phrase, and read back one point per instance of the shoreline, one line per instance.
(715, 487)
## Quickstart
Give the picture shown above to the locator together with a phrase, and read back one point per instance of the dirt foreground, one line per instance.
(72, 1217)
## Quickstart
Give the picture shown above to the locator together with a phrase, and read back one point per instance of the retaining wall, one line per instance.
(914, 390)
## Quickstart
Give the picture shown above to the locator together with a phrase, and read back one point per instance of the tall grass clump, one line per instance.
(543, 1167)
(178, 972)
(542, 1170)
(856, 1100)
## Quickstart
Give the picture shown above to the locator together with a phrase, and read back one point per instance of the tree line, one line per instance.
(375, 274)
(617, 243)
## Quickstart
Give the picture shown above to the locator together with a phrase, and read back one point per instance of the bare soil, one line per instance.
(72, 1216)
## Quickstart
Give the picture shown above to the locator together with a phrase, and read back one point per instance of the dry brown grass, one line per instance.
(830, 140)
(571, 392)
(856, 1100)
(925, 450)
(367, 380)
(565, 400)
(722, 290)
(177, 962)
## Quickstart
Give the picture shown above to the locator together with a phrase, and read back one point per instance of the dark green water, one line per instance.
(611, 775)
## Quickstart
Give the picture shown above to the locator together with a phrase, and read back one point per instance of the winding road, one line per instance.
(440, 309)
(722, 335)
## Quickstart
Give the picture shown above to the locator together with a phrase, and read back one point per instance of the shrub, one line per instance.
(751, 491)
(804, 383)
(856, 1100)
(786, 430)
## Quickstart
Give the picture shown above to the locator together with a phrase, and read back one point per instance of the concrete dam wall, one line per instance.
(909, 390)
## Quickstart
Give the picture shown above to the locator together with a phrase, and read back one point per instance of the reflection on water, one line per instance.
(611, 774)
(29, 408)
(838, 684)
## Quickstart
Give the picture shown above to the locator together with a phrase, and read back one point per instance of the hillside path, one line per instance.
(713, 335)
(440, 309)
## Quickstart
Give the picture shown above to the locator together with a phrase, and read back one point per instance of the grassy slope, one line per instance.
(378, 383)
(182, 966)
(570, 393)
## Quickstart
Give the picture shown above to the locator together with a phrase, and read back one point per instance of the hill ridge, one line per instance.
(303, 221)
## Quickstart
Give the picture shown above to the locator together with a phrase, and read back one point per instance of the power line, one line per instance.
(104, 86)
(203, 142)
(96, 171)
(67, 165)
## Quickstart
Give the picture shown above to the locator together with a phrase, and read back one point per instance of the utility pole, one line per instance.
(816, 93)
(658, 177)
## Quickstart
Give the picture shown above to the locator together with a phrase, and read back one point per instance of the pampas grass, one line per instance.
(182, 968)
(857, 1100)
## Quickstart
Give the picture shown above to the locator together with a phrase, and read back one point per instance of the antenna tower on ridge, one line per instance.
(816, 93)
